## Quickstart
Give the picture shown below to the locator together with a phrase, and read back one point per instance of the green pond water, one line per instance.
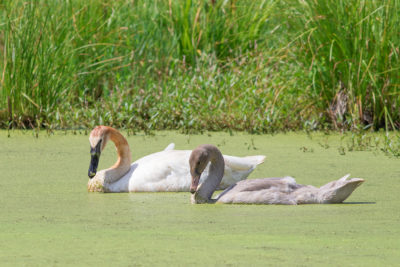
(48, 218)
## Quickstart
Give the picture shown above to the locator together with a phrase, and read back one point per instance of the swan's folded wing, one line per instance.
(162, 171)
(168, 170)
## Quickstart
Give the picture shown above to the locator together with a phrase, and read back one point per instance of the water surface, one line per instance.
(48, 217)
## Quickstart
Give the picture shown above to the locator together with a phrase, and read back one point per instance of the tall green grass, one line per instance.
(352, 51)
(258, 66)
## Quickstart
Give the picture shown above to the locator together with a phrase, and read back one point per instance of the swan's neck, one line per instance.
(123, 164)
(216, 172)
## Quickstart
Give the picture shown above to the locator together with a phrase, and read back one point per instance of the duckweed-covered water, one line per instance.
(48, 218)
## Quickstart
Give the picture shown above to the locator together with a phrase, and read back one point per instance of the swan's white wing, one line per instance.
(168, 170)
(162, 171)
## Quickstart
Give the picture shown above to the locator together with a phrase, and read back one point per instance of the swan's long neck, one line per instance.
(123, 164)
(215, 174)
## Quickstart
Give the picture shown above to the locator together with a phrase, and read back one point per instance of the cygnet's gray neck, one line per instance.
(211, 182)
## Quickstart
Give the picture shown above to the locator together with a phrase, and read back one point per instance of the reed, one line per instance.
(257, 66)
(352, 51)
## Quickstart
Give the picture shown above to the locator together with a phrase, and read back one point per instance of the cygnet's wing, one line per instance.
(261, 191)
(283, 184)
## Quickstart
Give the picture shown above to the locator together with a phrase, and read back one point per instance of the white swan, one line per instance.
(259, 191)
(167, 170)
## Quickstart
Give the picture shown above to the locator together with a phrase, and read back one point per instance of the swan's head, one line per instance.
(98, 139)
(198, 162)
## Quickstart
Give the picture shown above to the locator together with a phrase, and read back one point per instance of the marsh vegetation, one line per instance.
(257, 66)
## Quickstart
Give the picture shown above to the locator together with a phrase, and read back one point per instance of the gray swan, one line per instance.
(259, 191)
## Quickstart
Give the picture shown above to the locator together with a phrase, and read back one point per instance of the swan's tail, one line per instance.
(337, 191)
(170, 147)
(245, 163)
(238, 168)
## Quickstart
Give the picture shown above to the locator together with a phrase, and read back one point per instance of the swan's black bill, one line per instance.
(94, 161)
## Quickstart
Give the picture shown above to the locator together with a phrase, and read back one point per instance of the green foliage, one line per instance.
(257, 66)
(352, 51)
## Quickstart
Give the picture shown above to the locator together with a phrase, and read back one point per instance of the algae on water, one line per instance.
(48, 217)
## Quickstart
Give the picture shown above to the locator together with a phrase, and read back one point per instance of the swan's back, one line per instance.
(157, 172)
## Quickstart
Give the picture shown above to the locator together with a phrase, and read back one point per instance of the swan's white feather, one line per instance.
(168, 170)
(170, 147)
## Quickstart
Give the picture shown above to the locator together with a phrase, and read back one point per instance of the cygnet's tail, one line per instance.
(337, 191)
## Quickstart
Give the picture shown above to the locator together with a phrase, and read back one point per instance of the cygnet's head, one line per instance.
(198, 162)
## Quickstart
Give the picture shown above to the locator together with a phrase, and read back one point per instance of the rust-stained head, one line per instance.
(99, 134)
